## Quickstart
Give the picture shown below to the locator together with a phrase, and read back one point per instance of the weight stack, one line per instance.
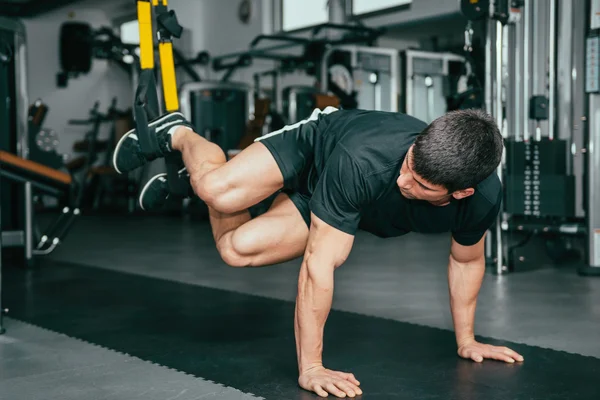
(536, 180)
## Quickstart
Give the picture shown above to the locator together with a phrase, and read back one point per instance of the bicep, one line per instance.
(466, 254)
(327, 246)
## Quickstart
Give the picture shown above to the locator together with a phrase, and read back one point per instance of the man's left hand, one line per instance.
(477, 352)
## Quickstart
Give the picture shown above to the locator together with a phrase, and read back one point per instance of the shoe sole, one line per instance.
(125, 136)
(149, 183)
(146, 187)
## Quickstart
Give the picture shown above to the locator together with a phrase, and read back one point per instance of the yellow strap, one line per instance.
(146, 37)
(168, 76)
(155, 2)
(165, 3)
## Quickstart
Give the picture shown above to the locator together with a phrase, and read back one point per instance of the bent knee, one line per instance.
(214, 190)
(235, 251)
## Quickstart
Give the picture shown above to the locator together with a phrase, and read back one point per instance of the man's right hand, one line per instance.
(323, 381)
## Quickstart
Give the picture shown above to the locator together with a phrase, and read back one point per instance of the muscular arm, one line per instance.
(327, 249)
(465, 275)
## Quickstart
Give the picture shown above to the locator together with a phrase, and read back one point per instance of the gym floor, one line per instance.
(144, 308)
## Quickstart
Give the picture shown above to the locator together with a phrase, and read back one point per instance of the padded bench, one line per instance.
(50, 182)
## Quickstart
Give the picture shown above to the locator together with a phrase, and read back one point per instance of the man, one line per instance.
(336, 172)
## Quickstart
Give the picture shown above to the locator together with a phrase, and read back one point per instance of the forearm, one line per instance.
(313, 303)
(464, 281)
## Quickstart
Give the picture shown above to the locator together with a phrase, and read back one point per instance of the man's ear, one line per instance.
(461, 194)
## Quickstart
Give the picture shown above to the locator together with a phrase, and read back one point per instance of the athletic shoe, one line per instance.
(128, 153)
(155, 192)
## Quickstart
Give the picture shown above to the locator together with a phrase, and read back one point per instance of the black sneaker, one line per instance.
(128, 153)
(155, 192)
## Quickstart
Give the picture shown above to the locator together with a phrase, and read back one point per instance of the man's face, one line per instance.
(412, 186)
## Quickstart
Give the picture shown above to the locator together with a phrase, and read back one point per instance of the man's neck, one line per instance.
(443, 202)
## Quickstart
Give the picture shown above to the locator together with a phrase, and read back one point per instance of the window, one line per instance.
(367, 6)
(304, 13)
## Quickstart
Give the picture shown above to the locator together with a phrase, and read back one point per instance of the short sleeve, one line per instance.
(472, 232)
(340, 192)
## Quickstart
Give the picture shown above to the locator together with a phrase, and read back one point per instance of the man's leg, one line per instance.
(276, 236)
(228, 188)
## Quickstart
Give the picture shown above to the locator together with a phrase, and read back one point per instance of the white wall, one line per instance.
(104, 81)
(214, 26)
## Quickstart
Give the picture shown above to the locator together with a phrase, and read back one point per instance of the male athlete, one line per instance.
(336, 172)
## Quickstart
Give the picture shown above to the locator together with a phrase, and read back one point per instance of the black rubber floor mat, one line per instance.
(247, 342)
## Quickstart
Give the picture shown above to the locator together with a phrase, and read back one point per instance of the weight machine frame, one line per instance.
(513, 75)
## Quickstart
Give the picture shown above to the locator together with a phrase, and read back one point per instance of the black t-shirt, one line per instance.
(358, 157)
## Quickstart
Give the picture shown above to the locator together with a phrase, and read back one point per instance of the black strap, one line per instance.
(145, 110)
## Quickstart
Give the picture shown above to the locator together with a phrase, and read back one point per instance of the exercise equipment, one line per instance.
(428, 80)
(147, 106)
(362, 77)
(43, 143)
(80, 44)
(13, 125)
(50, 182)
(549, 174)
(95, 162)
(218, 110)
(305, 54)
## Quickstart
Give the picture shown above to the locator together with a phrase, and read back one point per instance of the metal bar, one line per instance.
(280, 38)
(409, 84)
(277, 98)
(325, 71)
(337, 11)
(258, 53)
(526, 58)
(377, 96)
(394, 82)
(430, 99)
(552, 70)
(500, 262)
(28, 224)
(564, 68)
(518, 80)
(292, 108)
(536, 7)
(593, 174)
(38, 185)
(22, 98)
(489, 55)
(577, 100)
(350, 28)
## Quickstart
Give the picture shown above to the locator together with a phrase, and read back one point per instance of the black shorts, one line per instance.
(293, 149)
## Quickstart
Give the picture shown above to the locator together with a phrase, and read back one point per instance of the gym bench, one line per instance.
(50, 182)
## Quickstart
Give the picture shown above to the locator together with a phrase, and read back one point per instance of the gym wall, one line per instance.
(104, 81)
(215, 27)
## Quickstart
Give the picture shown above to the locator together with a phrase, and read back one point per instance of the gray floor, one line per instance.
(402, 279)
(38, 364)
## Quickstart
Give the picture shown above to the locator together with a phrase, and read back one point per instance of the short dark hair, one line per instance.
(458, 150)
